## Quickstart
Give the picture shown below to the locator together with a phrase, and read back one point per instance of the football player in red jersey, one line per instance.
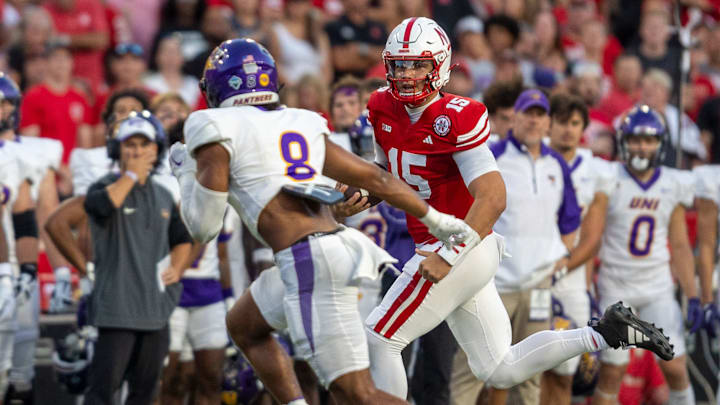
(435, 142)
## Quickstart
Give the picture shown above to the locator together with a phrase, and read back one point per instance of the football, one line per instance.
(363, 193)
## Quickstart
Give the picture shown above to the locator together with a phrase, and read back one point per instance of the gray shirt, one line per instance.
(128, 243)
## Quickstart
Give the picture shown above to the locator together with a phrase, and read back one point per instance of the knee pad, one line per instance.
(503, 377)
(25, 225)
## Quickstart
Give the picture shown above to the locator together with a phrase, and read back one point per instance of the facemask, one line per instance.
(639, 163)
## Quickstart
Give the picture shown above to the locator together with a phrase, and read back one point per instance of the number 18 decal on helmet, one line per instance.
(417, 59)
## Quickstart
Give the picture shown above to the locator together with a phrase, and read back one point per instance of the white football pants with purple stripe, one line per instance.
(321, 277)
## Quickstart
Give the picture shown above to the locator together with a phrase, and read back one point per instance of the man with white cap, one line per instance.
(140, 245)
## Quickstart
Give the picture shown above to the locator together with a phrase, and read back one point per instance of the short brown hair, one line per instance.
(502, 95)
(563, 105)
(161, 98)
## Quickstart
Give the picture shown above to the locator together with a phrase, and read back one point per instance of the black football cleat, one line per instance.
(621, 328)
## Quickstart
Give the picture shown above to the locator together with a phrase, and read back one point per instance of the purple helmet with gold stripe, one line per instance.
(239, 72)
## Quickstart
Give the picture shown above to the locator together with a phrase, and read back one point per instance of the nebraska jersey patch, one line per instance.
(441, 125)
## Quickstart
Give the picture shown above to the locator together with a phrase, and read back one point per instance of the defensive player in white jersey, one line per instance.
(435, 142)
(38, 159)
(266, 160)
(707, 201)
(10, 180)
(639, 210)
(569, 118)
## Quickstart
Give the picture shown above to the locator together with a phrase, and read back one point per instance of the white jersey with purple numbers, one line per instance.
(634, 250)
(268, 149)
(87, 166)
(584, 169)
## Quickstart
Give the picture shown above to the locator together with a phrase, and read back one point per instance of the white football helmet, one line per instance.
(416, 41)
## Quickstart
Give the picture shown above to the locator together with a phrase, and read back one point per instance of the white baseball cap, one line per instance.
(136, 126)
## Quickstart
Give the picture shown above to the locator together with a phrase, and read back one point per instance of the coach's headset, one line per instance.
(113, 144)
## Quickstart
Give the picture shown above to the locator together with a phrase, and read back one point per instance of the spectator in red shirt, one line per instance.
(53, 109)
(643, 383)
(625, 89)
(83, 27)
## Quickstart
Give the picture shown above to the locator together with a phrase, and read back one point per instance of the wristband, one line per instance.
(453, 255)
(131, 174)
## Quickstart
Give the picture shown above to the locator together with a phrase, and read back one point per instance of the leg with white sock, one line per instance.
(542, 351)
(482, 329)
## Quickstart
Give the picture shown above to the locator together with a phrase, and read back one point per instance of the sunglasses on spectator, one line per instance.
(124, 49)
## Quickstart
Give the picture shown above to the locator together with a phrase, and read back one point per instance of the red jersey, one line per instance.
(57, 115)
(421, 154)
(86, 16)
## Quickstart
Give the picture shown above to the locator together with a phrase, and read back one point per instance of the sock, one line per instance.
(299, 401)
(594, 341)
(683, 397)
(542, 351)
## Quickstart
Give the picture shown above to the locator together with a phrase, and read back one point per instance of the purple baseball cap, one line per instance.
(532, 98)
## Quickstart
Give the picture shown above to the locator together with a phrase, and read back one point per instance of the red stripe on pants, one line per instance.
(398, 302)
(409, 310)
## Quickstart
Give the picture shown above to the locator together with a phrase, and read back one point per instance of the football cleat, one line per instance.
(621, 328)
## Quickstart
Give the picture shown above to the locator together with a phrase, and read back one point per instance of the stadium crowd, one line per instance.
(91, 74)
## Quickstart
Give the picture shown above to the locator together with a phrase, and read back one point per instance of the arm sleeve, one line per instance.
(97, 201)
(475, 162)
(177, 232)
(569, 211)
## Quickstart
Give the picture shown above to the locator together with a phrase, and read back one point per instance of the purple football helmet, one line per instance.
(10, 91)
(642, 120)
(239, 72)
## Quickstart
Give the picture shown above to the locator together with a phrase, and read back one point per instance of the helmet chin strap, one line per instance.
(639, 163)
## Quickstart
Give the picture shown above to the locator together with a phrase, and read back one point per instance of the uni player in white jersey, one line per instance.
(707, 201)
(37, 159)
(639, 210)
(267, 161)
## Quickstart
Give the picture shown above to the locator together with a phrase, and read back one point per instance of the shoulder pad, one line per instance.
(462, 122)
(201, 129)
